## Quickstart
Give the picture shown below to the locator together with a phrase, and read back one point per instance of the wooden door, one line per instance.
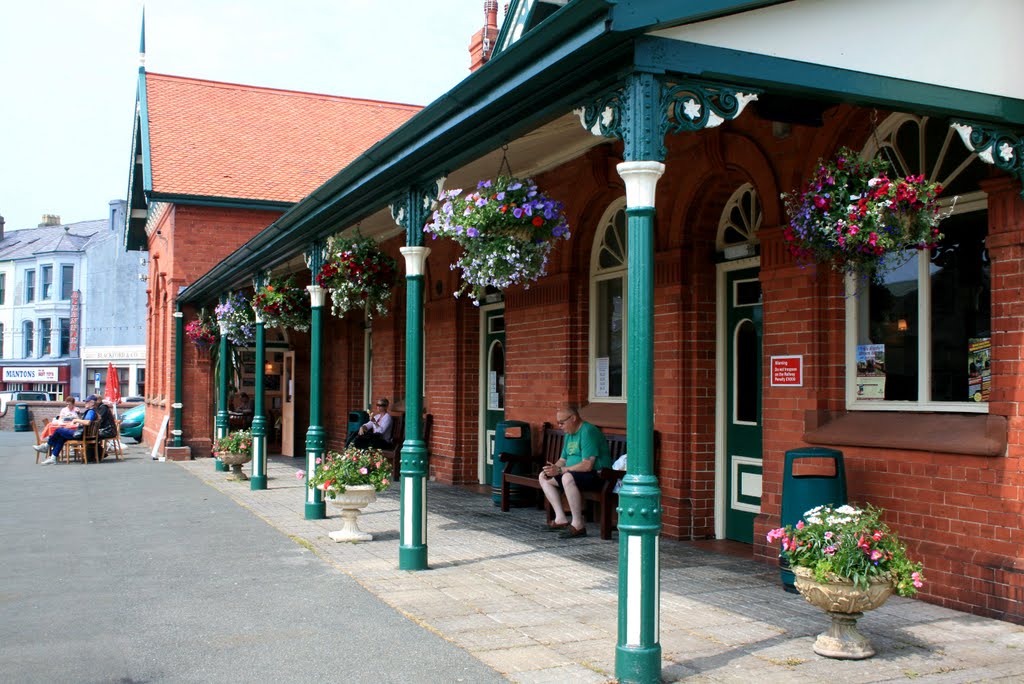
(288, 405)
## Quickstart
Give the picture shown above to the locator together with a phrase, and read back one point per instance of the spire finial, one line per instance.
(142, 42)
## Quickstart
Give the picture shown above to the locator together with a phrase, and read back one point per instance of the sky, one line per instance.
(69, 71)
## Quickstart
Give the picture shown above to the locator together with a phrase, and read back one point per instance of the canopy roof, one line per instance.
(583, 49)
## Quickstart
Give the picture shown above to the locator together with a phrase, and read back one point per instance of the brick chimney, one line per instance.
(50, 220)
(481, 45)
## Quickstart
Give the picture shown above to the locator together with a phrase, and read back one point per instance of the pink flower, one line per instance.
(319, 461)
(800, 525)
(918, 580)
(363, 471)
(877, 536)
(829, 534)
(829, 550)
(299, 474)
(776, 534)
(876, 555)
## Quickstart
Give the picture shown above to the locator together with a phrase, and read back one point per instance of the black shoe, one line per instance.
(573, 532)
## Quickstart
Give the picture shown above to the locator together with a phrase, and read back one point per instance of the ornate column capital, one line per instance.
(317, 295)
(415, 260)
(647, 107)
(412, 209)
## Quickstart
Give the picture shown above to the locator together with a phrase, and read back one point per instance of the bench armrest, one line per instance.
(506, 457)
(610, 474)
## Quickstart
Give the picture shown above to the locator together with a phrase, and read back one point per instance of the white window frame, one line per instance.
(968, 203)
(45, 289)
(597, 276)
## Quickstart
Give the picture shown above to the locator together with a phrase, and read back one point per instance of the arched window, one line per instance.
(921, 339)
(740, 220)
(608, 270)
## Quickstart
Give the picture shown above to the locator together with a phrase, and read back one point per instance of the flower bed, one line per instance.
(852, 215)
(506, 228)
(359, 276)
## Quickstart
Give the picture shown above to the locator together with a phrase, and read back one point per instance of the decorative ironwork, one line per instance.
(412, 209)
(316, 255)
(646, 108)
(1004, 149)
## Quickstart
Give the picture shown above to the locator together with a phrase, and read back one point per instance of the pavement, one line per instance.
(520, 602)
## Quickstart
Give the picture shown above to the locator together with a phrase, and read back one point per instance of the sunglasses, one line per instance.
(381, 404)
(563, 421)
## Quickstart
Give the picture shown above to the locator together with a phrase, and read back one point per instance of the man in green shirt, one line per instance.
(584, 453)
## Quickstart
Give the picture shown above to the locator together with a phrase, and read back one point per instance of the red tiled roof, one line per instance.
(226, 140)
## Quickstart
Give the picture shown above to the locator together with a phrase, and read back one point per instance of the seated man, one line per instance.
(55, 442)
(584, 453)
(243, 404)
(375, 432)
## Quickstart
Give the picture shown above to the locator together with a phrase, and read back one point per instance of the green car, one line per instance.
(132, 421)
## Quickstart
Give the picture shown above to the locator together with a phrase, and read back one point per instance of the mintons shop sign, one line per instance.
(44, 374)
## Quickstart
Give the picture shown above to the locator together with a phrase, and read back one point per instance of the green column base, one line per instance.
(218, 466)
(316, 511)
(412, 557)
(257, 482)
(635, 664)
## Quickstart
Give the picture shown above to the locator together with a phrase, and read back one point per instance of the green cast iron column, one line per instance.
(259, 420)
(638, 650)
(221, 423)
(316, 437)
(179, 342)
(641, 112)
(411, 213)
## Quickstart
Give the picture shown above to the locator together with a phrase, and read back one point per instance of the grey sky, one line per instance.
(68, 73)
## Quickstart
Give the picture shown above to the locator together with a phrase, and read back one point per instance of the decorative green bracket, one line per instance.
(411, 211)
(648, 107)
(1002, 148)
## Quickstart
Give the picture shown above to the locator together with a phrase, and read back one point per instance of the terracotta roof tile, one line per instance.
(244, 142)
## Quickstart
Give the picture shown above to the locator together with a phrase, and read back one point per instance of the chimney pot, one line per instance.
(50, 220)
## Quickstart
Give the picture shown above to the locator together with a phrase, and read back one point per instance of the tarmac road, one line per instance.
(134, 572)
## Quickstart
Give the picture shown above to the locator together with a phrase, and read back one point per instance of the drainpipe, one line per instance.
(179, 341)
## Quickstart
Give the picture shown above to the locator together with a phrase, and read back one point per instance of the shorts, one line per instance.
(585, 481)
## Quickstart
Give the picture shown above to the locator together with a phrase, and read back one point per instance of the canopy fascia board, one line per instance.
(785, 76)
(213, 201)
(649, 15)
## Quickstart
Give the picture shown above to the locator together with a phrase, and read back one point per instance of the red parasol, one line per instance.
(113, 391)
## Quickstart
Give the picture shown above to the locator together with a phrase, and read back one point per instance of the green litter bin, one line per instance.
(21, 423)
(825, 484)
(511, 437)
(356, 419)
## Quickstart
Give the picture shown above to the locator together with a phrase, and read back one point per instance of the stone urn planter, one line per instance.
(351, 502)
(845, 604)
(236, 461)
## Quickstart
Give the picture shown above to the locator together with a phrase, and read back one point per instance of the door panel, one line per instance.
(493, 398)
(743, 404)
(288, 405)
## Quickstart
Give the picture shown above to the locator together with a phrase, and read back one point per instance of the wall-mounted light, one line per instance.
(143, 277)
(901, 325)
(268, 367)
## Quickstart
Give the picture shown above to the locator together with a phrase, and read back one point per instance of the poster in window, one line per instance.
(979, 368)
(601, 377)
(871, 371)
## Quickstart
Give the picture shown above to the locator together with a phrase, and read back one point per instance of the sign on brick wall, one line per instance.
(76, 322)
(787, 371)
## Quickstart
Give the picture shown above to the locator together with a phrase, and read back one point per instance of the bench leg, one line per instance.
(505, 494)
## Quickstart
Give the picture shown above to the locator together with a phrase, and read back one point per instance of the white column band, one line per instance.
(415, 260)
(317, 295)
(641, 178)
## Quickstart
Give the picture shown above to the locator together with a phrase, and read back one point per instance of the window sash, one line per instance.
(30, 286)
(67, 281)
(30, 337)
(46, 282)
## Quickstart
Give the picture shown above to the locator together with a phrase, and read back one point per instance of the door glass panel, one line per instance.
(496, 377)
(747, 293)
(745, 373)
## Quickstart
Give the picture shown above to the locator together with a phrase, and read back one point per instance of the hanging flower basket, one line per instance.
(202, 332)
(282, 305)
(506, 229)
(852, 215)
(240, 319)
(359, 276)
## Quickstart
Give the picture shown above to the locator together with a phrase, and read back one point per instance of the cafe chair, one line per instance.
(80, 448)
(39, 440)
(112, 445)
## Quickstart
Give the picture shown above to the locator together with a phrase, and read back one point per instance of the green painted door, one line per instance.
(743, 404)
(493, 397)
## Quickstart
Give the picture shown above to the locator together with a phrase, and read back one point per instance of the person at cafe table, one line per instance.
(55, 442)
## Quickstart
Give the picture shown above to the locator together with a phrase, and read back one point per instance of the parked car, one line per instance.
(11, 397)
(132, 421)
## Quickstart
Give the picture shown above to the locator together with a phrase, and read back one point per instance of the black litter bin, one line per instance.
(21, 423)
(510, 437)
(826, 485)
(356, 419)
